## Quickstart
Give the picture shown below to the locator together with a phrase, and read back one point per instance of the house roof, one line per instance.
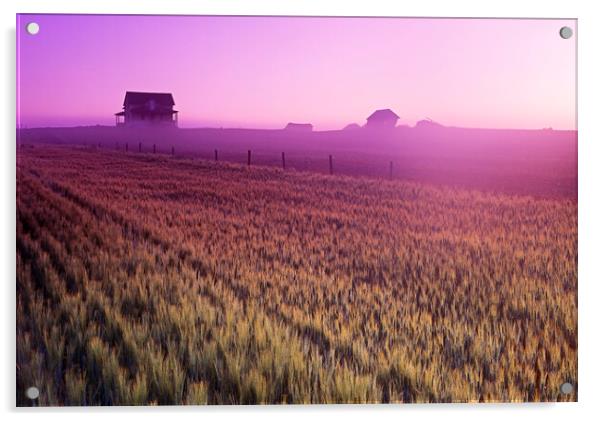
(141, 98)
(384, 114)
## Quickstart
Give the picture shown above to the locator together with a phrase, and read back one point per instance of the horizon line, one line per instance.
(360, 127)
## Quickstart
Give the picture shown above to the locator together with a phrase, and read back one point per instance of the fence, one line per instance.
(250, 161)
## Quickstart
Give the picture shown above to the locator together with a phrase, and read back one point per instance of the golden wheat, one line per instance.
(144, 279)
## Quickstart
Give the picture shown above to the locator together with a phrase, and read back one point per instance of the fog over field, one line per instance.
(536, 162)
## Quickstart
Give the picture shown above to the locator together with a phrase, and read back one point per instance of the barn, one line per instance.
(147, 108)
(382, 119)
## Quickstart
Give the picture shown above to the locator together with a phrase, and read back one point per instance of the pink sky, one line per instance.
(266, 71)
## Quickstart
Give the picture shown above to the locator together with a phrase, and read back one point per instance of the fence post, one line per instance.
(139, 146)
(173, 150)
(154, 148)
(215, 153)
(330, 163)
(126, 147)
(283, 162)
(391, 170)
(249, 158)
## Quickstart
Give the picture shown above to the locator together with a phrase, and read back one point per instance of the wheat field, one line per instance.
(150, 279)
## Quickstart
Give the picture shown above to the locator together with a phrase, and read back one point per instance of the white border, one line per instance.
(590, 209)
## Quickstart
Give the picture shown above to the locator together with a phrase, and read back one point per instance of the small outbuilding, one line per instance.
(384, 118)
(299, 127)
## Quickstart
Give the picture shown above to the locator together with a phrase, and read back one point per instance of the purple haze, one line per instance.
(262, 72)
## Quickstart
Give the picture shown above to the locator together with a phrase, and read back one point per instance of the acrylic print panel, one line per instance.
(245, 210)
